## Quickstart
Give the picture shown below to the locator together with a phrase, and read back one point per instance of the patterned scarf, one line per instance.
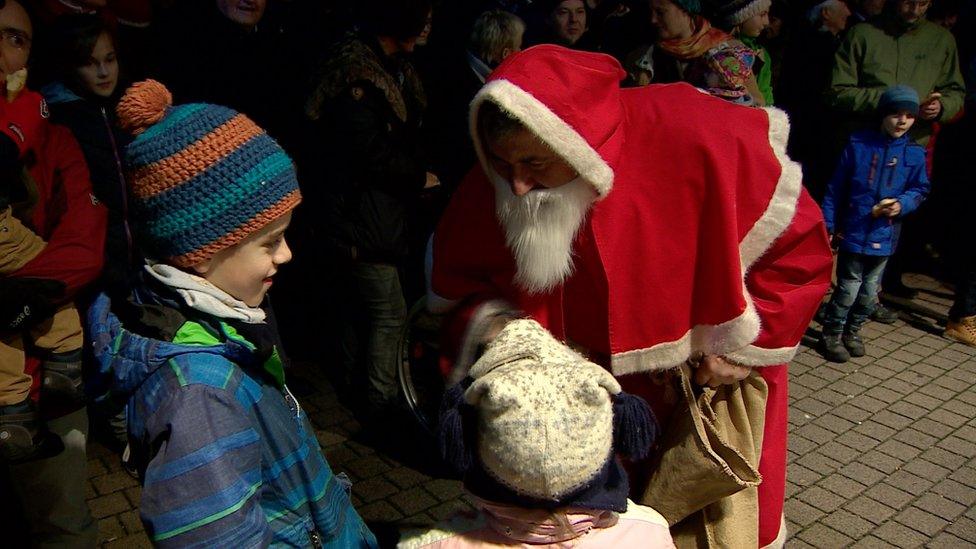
(704, 38)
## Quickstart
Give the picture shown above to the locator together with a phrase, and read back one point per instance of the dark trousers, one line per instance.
(376, 314)
(965, 303)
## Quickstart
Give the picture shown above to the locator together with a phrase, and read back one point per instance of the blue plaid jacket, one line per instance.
(228, 458)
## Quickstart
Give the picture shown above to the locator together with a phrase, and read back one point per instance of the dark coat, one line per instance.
(93, 125)
(446, 126)
(206, 58)
(807, 64)
(369, 167)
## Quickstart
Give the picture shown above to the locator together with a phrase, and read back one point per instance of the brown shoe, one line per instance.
(963, 330)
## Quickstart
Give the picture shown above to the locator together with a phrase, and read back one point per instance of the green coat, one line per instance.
(877, 54)
(762, 68)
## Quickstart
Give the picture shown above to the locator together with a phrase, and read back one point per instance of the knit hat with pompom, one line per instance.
(534, 424)
(203, 177)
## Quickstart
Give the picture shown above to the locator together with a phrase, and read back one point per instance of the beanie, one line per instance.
(898, 98)
(548, 424)
(729, 13)
(693, 7)
(203, 177)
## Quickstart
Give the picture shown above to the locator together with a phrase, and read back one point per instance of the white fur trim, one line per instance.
(720, 339)
(750, 355)
(780, 540)
(733, 338)
(544, 123)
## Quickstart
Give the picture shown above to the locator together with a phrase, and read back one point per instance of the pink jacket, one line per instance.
(495, 525)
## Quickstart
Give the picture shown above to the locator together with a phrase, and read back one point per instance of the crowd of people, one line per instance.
(524, 169)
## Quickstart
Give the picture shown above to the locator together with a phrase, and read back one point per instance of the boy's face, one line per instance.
(754, 26)
(100, 74)
(245, 269)
(897, 124)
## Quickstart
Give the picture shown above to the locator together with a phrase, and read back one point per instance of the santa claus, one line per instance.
(643, 226)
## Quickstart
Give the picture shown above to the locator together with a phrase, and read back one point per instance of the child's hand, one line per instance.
(893, 209)
(886, 207)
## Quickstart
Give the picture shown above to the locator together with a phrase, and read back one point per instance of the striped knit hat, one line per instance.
(203, 177)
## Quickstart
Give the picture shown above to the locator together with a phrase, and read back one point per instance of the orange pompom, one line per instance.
(143, 105)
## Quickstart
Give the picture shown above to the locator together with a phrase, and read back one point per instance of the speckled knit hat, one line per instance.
(203, 177)
(548, 423)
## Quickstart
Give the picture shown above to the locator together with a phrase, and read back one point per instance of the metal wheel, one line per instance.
(421, 382)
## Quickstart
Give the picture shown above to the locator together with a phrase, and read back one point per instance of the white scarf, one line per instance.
(201, 295)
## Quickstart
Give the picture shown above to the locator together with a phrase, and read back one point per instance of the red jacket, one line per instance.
(67, 216)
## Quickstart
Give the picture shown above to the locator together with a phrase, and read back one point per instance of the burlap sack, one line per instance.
(706, 473)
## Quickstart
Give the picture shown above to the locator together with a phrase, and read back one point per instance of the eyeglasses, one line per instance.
(15, 38)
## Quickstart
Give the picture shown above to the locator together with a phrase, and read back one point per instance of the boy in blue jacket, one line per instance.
(226, 455)
(881, 177)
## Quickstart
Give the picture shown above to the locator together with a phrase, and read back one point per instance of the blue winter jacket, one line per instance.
(872, 167)
(228, 458)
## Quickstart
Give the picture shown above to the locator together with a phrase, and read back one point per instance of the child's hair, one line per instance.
(71, 39)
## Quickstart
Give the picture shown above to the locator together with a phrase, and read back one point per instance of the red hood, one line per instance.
(570, 99)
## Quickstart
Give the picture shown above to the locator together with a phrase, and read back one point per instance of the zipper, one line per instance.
(292, 402)
(125, 194)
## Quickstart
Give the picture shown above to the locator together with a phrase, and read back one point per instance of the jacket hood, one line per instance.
(569, 99)
(124, 359)
(56, 93)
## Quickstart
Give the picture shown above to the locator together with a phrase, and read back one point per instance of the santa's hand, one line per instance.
(715, 371)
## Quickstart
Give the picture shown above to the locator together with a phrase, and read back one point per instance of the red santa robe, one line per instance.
(702, 238)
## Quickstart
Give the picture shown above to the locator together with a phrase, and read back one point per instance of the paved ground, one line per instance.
(882, 450)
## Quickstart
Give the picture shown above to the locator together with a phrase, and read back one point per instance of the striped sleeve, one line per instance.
(202, 486)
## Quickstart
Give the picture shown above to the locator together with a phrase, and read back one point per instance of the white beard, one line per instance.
(540, 228)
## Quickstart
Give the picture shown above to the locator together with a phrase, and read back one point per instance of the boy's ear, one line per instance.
(203, 267)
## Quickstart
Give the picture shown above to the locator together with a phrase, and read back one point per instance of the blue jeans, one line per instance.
(856, 295)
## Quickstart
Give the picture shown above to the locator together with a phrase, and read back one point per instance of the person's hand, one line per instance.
(715, 371)
(432, 181)
(887, 207)
(931, 108)
(834, 239)
(893, 209)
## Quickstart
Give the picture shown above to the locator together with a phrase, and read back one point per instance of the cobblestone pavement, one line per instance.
(882, 449)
